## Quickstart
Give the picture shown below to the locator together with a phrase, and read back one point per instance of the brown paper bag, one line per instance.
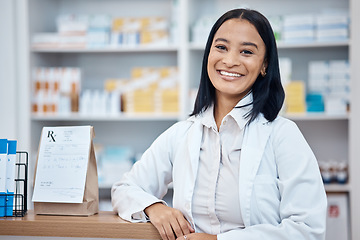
(90, 204)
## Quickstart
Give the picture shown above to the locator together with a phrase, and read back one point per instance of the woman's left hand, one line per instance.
(197, 236)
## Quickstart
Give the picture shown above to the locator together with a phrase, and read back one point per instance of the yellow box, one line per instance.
(296, 109)
(118, 24)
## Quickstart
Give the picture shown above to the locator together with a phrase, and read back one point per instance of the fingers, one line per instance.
(170, 222)
(190, 227)
(184, 226)
(175, 225)
(169, 234)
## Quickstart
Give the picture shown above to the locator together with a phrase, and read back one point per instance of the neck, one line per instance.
(222, 107)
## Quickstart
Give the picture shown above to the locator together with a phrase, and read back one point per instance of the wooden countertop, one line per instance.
(102, 225)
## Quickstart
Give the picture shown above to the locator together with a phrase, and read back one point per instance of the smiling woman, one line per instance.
(239, 171)
(236, 58)
(269, 80)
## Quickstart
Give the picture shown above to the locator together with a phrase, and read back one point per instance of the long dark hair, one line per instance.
(268, 93)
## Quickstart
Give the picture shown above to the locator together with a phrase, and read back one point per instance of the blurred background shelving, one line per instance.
(332, 136)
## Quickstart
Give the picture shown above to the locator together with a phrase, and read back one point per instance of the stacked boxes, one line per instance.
(298, 28)
(152, 90)
(339, 78)
(72, 24)
(76, 31)
(169, 100)
(135, 31)
(331, 79)
(318, 77)
(328, 88)
(139, 93)
(83, 31)
(71, 33)
(295, 97)
(322, 27)
(332, 27)
(98, 34)
(56, 90)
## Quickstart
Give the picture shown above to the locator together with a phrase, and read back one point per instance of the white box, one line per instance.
(326, 21)
(307, 35)
(299, 22)
(337, 222)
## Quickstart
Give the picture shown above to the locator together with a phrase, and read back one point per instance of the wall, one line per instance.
(8, 98)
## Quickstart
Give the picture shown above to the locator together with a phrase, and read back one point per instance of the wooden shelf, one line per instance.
(285, 45)
(102, 225)
(336, 188)
(107, 49)
(315, 116)
(166, 117)
(107, 117)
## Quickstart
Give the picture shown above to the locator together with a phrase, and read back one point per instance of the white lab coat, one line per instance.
(280, 187)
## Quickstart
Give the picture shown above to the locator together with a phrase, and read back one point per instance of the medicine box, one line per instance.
(337, 221)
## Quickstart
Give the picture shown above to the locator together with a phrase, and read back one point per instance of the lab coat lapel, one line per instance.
(192, 153)
(253, 147)
(194, 144)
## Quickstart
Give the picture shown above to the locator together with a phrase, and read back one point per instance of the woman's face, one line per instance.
(236, 58)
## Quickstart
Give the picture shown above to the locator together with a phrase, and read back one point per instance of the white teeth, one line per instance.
(230, 74)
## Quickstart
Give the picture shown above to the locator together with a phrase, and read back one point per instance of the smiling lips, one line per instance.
(229, 74)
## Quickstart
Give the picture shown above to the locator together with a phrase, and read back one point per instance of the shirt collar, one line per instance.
(242, 109)
(238, 113)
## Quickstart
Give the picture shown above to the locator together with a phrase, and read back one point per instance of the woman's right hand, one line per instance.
(170, 222)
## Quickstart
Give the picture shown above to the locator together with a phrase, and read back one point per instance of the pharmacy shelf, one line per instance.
(172, 48)
(107, 49)
(336, 188)
(110, 118)
(316, 116)
(285, 45)
(166, 117)
(329, 188)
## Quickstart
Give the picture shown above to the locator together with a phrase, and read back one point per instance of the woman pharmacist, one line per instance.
(239, 170)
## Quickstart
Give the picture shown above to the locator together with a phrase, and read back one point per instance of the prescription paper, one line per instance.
(62, 164)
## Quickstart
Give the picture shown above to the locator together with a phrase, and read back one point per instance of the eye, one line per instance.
(247, 52)
(220, 47)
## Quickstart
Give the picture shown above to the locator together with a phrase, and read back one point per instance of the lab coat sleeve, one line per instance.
(303, 201)
(148, 179)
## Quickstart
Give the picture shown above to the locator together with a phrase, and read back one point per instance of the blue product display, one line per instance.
(314, 102)
(3, 161)
(10, 177)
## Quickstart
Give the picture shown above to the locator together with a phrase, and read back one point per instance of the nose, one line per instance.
(231, 59)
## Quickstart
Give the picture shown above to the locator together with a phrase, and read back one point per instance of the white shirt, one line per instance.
(216, 207)
(281, 194)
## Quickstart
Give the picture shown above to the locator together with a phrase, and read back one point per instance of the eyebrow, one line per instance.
(243, 43)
